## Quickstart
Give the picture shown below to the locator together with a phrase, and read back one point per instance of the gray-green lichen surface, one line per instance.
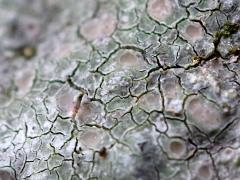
(120, 89)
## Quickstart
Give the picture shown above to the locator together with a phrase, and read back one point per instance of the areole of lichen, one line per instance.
(173, 94)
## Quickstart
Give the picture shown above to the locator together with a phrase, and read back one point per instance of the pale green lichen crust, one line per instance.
(119, 89)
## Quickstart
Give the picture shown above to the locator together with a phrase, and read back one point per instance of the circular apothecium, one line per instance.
(193, 32)
(204, 172)
(91, 138)
(99, 27)
(177, 147)
(159, 9)
(204, 114)
(128, 59)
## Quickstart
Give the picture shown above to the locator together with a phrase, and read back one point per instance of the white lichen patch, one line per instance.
(160, 9)
(116, 83)
(204, 114)
(173, 94)
(54, 161)
(193, 32)
(99, 27)
(159, 122)
(207, 76)
(229, 95)
(24, 80)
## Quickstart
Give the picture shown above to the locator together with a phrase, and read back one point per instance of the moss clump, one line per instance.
(197, 59)
(238, 162)
(235, 51)
(28, 52)
(227, 30)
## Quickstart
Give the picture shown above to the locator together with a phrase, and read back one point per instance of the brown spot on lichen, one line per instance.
(103, 153)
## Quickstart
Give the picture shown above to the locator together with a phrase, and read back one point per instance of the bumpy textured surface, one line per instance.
(119, 89)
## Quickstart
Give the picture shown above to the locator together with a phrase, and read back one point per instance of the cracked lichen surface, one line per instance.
(120, 89)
